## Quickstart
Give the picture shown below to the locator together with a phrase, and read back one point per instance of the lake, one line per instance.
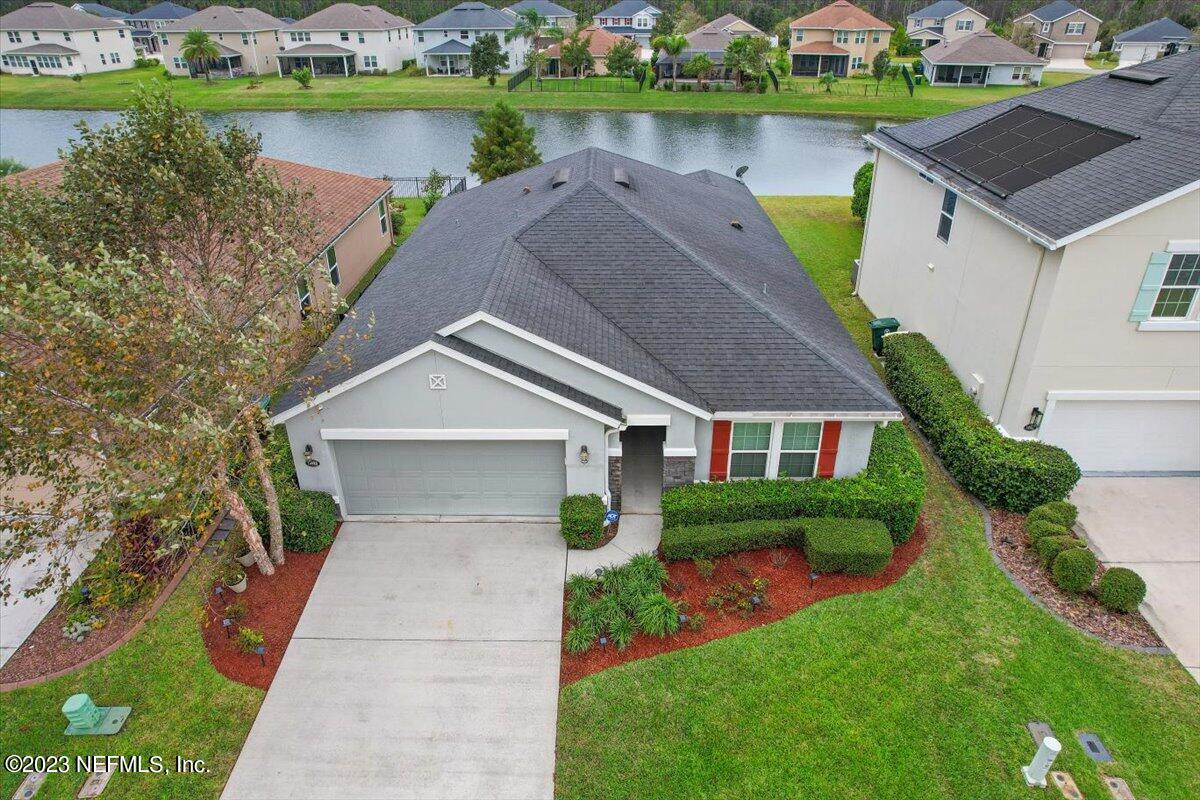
(785, 154)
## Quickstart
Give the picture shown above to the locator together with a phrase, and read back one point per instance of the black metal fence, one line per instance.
(593, 83)
(518, 78)
(415, 187)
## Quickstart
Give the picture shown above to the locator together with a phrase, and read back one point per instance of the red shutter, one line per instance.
(831, 432)
(718, 468)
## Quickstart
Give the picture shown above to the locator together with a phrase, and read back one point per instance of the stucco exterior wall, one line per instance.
(391, 48)
(516, 49)
(951, 31)
(257, 51)
(360, 247)
(90, 45)
(866, 50)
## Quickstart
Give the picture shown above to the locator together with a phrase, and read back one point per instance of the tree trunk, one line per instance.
(238, 510)
(675, 75)
(263, 469)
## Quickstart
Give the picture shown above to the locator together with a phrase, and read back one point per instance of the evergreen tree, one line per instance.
(488, 58)
(504, 144)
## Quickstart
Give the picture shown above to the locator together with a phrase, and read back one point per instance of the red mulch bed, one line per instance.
(274, 604)
(1011, 544)
(788, 592)
(46, 650)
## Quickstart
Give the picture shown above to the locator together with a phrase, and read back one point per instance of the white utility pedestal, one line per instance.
(1043, 759)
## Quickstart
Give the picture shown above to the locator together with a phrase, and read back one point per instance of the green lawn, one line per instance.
(917, 691)
(110, 90)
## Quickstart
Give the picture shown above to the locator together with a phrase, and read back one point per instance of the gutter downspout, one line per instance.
(1037, 276)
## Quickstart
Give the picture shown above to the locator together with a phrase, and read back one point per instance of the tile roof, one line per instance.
(1165, 116)
(350, 16)
(983, 47)
(652, 280)
(165, 10)
(1054, 11)
(818, 48)
(53, 17)
(938, 10)
(599, 41)
(841, 15)
(225, 20)
(1160, 30)
(470, 16)
(627, 8)
(543, 7)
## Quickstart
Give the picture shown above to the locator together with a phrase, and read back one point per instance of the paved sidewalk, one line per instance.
(637, 533)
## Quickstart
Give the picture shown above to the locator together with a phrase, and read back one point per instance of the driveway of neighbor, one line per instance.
(425, 665)
(1152, 526)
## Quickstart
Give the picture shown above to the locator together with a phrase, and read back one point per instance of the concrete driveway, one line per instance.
(1152, 526)
(424, 666)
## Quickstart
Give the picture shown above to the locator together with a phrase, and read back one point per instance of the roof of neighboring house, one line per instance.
(470, 16)
(627, 8)
(843, 16)
(543, 7)
(1055, 11)
(712, 38)
(99, 10)
(983, 47)
(43, 49)
(164, 10)
(53, 17)
(449, 47)
(1165, 157)
(350, 16)
(339, 198)
(1160, 30)
(652, 280)
(938, 10)
(225, 19)
(318, 49)
(599, 41)
(937, 30)
(738, 25)
(818, 48)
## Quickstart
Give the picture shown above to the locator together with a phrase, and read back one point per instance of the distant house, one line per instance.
(981, 59)
(147, 23)
(1162, 37)
(630, 18)
(711, 40)
(599, 41)
(1062, 32)
(246, 38)
(443, 45)
(840, 38)
(559, 17)
(49, 39)
(944, 21)
(98, 10)
(344, 39)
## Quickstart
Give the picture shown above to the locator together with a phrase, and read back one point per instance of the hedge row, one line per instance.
(581, 520)
(308, 517)
(710, 541)
(1004, 473)
(891, 489)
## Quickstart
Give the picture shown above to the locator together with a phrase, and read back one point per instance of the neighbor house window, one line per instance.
(1045, 27)
(420, 36)
(36, 38)
(162, 39)
(66, 36)
(102, 61)
(1177, 297)
(875, 37)
(643, 22)
(96, 35)
(841, 37)
(335, 276)
(383, 217)
(245, 38)
(14, 37)
(856, 62)
(344, 36)
(798, 35)
(949, 201)
(121, 33)
(464, 35)
(179, 62)
(1075, 28)
(116, 57)
(860, 37)
(370, 62)
(304, 294)
(363, 39)
(1022, 73)
(964, 25)
(750, 446)
(798, 449)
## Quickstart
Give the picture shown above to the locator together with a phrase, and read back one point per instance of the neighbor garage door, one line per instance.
(1127, 435)
(424, 477)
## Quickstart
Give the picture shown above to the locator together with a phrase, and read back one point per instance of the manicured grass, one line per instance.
(111, 90)
(920, 690)
(181, 707)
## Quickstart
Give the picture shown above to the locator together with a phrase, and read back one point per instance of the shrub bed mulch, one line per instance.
(47, 651)
(788, 592)
(274, 604)
(1011, 544)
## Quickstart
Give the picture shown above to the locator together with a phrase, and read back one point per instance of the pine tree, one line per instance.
(504, 144)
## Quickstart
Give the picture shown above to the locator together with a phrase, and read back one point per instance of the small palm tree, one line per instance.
(533, 27)
(698, 67)
(828, 80)
(199, 48)
(672, 44)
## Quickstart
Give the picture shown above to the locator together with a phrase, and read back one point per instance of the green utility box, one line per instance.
(878, 328)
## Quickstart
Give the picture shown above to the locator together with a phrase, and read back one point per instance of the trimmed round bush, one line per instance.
(853, 546)
(581, 520)
(1040, 529)
(1074, 569)
(1121, 589)
(1048, 547)
(1059, 512)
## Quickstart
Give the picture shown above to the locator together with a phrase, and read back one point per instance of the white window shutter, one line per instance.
(1156, 269)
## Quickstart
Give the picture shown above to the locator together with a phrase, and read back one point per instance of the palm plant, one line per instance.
(533, 27)
(698, 66)
(672, 44)
(199, 48)
(828, 80)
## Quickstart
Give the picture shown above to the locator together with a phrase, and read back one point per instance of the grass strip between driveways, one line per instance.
(111, 90)
(920, 690)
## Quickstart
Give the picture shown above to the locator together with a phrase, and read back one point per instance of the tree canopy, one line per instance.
(504, 144)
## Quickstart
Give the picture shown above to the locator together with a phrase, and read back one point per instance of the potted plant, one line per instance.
(236, 580)
(246, 558)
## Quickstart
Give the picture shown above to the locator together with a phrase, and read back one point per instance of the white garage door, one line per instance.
(435, 477)
(1127, 435)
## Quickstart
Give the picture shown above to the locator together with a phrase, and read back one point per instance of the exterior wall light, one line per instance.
(309, 461)
(1035, 419)
(584, 455)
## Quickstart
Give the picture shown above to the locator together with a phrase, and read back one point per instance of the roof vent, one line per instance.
(622, 177)
(1137, 76)
(561, 176)
(737, 223)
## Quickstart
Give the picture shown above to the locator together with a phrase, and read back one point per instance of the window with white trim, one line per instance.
(116, 57)
(14, 37)
(361, 38)
(860, 37)
(179, 62)
(798, 35)
(798, 448)
(749, 449)
(383, 217)
(1045, 27)
(964, 25)
(66, 36)
(1076, 28)
(420, 36)
(245, 38)
(1177, 297)
(96, 35)
(946, 220)
(35, 36)
(370, 62)
(344, 36)
(304, 295)
(102, 61)
(875, 37)
(335, 275)
(162, 39)
(1022, 73)
(464, 35)
(856, 62)
(841, 37)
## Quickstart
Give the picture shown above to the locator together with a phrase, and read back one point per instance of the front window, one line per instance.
(946, 222)
(643, 22)
(750, 446)
(383, 217)
(964, 25)
(1177, 297)
(798, 449)
(335, 275)
(1075, 28)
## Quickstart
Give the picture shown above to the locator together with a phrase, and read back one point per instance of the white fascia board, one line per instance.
(812, 416)
(647, 419)
(545, 344)
(447, 434)
(1183, 246)
(668, 452)
(1123, 395)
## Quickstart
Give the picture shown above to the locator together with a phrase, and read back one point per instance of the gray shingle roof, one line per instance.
(652, 281)
(627, 8)
(1055, 10)
(315, 49)
(350, 16)
(938, 10)
(225, 19)
(449, 47)
(470, 16)
(43, 49)
(1164, 116)
(543, 7)
(101, 10)
(1160, 30)
(166, 10)
(983, 47)
(53, 17)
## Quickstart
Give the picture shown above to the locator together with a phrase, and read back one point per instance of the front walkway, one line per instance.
(1152, 526)
(425, 666)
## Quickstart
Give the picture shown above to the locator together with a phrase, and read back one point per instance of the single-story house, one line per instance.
(943, 21)
(981, 59)
(1162, 37)
(599, 42)
(710, 39)
(1049, 246)
(1061, 32)
(564, 330)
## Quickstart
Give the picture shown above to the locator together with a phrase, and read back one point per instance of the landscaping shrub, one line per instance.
(709, 541)
(891, 489)
(658, 615)
(581, 517)
(1060, 512)
(1121, 589)
(308, 517)
(1005, 473)
(1074, 569)
(619, 602)
(1041, 529)
(862, 190)
(248, 640)
(853, 546)
(1048, 547)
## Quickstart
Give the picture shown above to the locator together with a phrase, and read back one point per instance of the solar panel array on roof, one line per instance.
(1022, 146)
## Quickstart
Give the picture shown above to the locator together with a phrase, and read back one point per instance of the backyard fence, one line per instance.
(850, 89)
(518, 78)
(593, 83)
(415, 187)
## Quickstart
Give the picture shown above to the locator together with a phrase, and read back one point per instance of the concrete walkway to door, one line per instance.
(424, 666)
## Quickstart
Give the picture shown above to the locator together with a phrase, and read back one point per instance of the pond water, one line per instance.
(785, 154)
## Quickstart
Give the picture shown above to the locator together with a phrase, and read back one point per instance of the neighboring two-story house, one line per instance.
(1162, 37)
(344, 39)
(49, 39)
(556, 15)
(840, 38)
(1062, 32)
(1049, 246)
(443, 44)
(633, 19)
(246, 38)
(146, 24)
(944, 21)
